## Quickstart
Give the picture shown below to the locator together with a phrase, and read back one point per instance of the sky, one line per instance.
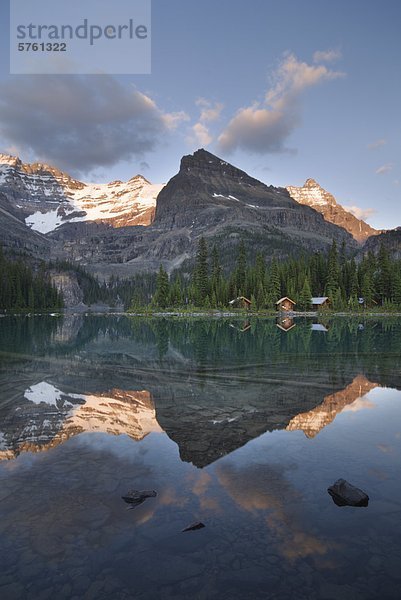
(284, 90)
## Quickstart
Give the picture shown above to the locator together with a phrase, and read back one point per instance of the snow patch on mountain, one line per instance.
(44, 222)
(48, 198)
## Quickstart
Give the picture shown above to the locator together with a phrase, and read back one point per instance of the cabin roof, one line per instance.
(319, 300)
(318, 327)
(285, 328)
(240, 298)
(285, 298)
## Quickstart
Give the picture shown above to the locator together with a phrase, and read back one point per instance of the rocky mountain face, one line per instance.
(390, 239)
(119, 228)
(16, 237)
(67, 284)
(211, 198)
(45, 197)
(210, 195)
(313, 195)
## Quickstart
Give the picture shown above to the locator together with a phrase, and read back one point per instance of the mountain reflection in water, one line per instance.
(239, 424)
(212, 386)
(51, 416)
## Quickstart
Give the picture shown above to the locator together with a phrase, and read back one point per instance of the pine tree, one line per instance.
(337, 299)
(201, 273)
(161, 296)
(353, 303)
(274, 285)
(31, 298)
(240, 271)
(384, 275)
(397, 289)
(260, 297)
(305, 296)
(353, 287)
(216, 277)
(367, 289)
(332, 280)
(260, 270)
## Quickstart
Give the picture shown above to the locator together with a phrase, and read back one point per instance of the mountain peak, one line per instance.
(9, 159)
(210, 168)
(200, 157)
(314, 195)
(140, 178)
(311, 183)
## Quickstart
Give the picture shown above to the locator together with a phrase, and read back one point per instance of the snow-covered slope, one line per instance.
(47, 197)
(49, 416)
(313, 195)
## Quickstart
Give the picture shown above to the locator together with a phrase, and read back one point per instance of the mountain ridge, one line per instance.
(46, 198)
(127, 227)
(314, 195)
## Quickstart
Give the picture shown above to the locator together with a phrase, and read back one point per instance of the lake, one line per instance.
(239, 424)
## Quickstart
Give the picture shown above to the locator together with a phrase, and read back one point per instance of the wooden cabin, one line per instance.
(320, 302)
(241, 302)
(242, 328)
(285, 324)
(285, 304)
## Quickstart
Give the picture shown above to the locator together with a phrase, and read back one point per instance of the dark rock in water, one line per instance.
(345, 494)
(194, 526)
(135, 497)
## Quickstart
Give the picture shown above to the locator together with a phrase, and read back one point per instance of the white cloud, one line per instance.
(200, 135)
(360, 213)
(359, 404)
(384, 169)
(326, 56)
(209, 111)
(377, 144)
(264, 127)
(173, 120)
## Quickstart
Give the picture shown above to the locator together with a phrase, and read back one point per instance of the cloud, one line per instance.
(360, 213)
(80, 123)
(172, 120)
(209, 111)
(384, 169)
(377, 144)
(326, 56)
(272, 499)
(144, 166)
(359, 404)
(200, 135)
(264, 127)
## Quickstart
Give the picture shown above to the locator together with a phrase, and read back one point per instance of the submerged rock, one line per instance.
(346, 494)
(194, 526)
(135, 497)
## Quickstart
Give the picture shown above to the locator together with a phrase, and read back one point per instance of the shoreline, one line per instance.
(214, 313)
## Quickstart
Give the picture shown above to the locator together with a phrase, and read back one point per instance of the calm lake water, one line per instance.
(240, 425)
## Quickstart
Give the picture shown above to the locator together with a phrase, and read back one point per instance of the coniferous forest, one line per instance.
(23, 289)
(372, 281)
